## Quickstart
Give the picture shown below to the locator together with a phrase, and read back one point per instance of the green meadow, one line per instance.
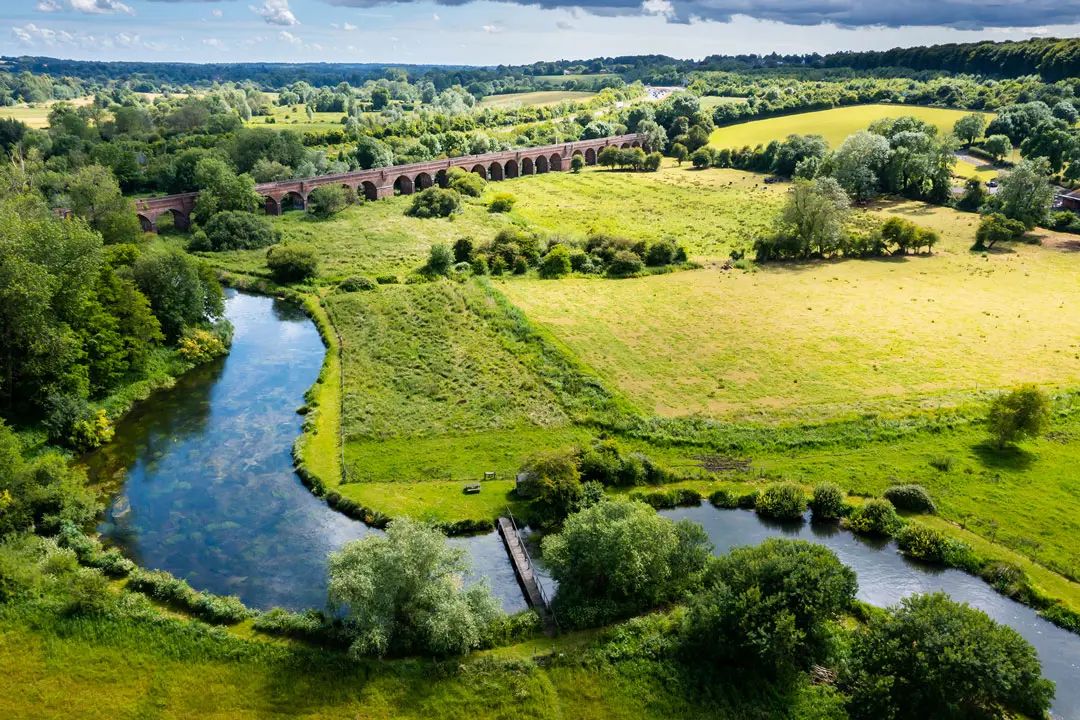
(541, 97)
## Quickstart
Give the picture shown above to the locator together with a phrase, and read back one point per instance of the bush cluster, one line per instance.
(353, 509)
(667, 499)
(783, 501)
(606, 464)
(910, 498)
(465, 183)
(200, 346)
(875, 517)
(828, 503)
(162, 586)
(931, 545)
(435, 202)
(502, 202)
(236, 230)
(90, 553)
(357, 283)
(292, 262)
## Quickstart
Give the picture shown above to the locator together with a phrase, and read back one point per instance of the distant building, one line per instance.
(1069, 200)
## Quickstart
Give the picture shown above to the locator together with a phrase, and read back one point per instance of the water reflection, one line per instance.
(201, 479)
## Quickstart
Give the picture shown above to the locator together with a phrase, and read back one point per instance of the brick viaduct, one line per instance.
(379, 183)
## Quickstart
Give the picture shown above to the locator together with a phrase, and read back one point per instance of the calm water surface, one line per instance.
(202, 477)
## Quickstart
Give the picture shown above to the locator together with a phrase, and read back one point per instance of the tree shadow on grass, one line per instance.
(1010, 457)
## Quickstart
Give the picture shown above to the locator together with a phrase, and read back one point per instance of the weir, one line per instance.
(519, 558)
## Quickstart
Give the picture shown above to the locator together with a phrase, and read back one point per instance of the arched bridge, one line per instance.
(385, 182)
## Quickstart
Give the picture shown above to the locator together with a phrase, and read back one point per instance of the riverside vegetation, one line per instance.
(624, 340)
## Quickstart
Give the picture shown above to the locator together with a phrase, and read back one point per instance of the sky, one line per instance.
(481, 32)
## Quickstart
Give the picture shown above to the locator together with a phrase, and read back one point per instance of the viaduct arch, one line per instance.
(379, 183)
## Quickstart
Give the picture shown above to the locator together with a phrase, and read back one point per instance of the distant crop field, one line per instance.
(294, 117)
(561, 79)
(37, 114)
(820, 339)
(543, 97)
(834, 125)
(710, 101)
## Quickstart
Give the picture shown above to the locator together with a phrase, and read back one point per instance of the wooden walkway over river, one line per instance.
(519, 558)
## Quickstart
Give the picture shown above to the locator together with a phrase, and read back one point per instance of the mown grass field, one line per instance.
(820, 339)
(541, 97)
(834, 125)
(711, 101)
(294, 117)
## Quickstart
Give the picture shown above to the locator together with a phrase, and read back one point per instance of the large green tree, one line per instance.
(95, 195)
(617, 557)
(403, 592)
(1025, 193)
(814, 215)
(930, 657)
(220, 189)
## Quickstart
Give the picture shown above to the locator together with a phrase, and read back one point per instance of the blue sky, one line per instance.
(482, 32)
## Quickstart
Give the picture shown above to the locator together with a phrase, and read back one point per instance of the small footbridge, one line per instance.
(526, 575)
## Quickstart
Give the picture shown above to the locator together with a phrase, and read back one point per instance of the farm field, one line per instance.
(711, 101)
(294, 117)
(824, 339)
(37, 115)
(562, 79)
(542, 97)
(834, 125)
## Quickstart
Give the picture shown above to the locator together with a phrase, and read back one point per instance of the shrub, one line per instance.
(875, 517)
(749, 500)
(439, 259)
(552, 477)
(162, 586)
(556, 263)
(930, 545)
(235, 230)
(502, 202)
(200, 346)
(465, 183)
(784, 501)
(625, 264)
(702, 158)
(498, 265)
(653, 161)
(724, 499)
(617, 558)
(326, 200)
(435, 202)
(995, 228)
(769, 607)
(662, 252)
(944, 463)
(1022, 413)
(666, 499)
(357, 283)
(480, 265)
(910, 498)
(308, 626)
(72, 422)
(828, 502)
(464, 249)
(581, 262)
(387, 279)
(292, 262)
(577, 163)
(521, 265)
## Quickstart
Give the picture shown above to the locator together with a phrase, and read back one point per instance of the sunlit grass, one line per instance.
(541, 97)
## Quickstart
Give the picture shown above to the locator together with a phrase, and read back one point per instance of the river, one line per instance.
(202, 485)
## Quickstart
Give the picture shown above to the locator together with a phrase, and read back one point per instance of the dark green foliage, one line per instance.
(552, 478)
(618, 558)
(995, 228)
(625, 264)
(233, 230)
(783, 501)
(434, 202)
(875, 517)
(220, 189)
(828, 503)
(292, 262)
(371, 153)
(357, 283)
(974, 196)
(326, 200)
(702, 158)
(724, 499)
(183, 291)
(42, 494)
(464, 249)
(95, 195)
(1019, 414)
(387, 279)
(439, 259)
(664, 252)
(512, 243)
(353, 509)
(768, 607)
(310, 626)
(606, 464)
(932, 657)
(652, 162)
(577, 163)
(910, 498)
(667, 499)
(749, 500)
(556, 263)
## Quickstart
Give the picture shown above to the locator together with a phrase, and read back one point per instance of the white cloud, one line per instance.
(87, 7)
(276, 12)
(30, 35)
(565, 25)
(252, 41)
(435, 17)
(216, 13)
(349, 26)
(288, 37)
(658, 7)
(492, 29)
(215, 43)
